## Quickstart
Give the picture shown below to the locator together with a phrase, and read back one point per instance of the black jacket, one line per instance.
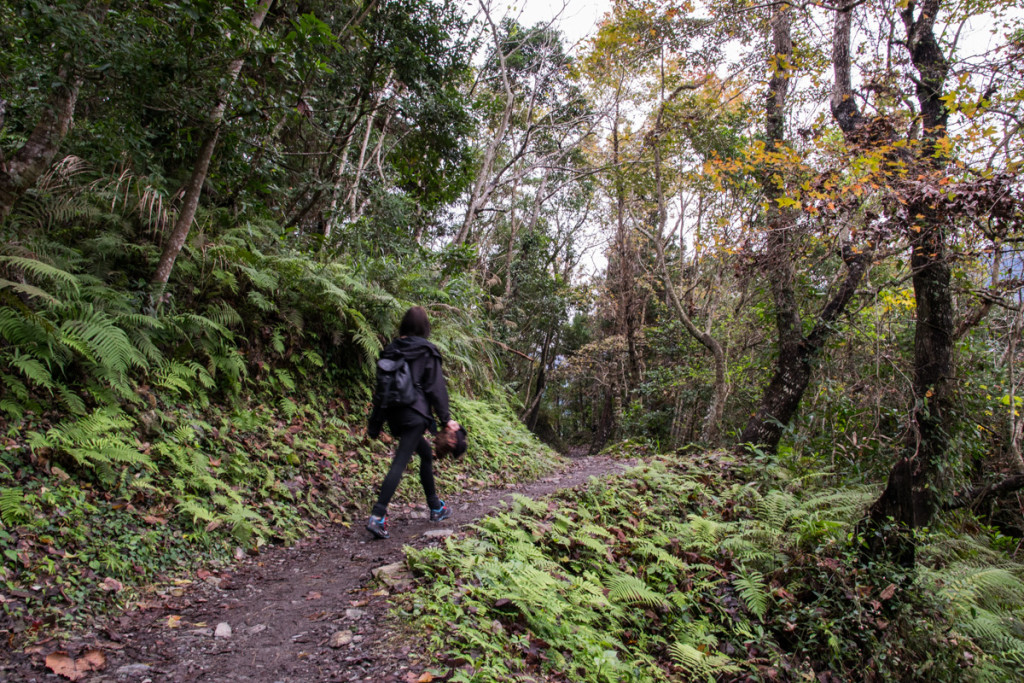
(424, 362)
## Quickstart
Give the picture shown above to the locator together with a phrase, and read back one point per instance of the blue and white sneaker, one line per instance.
(441, 513)
(378, 526)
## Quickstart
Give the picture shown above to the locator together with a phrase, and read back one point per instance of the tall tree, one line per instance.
(796, 350)
(74, 34)
(194, 188)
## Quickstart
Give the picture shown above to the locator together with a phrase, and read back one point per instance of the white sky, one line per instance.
(577, 19)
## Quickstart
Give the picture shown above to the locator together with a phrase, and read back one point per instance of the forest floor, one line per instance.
(314, 611)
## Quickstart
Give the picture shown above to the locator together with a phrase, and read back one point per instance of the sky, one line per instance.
(577, 19)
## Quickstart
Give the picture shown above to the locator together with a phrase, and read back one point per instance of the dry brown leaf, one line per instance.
(64, 665)
(888, 592)
(111, 585)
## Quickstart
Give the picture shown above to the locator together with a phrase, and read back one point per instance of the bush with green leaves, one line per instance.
(688, 569)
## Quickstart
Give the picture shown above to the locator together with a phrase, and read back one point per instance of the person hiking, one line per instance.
(407, 412)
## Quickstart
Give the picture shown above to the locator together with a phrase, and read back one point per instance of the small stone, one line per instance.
(353, 613)
(213, 581)
(134, 670)
(438, 533)
(341, 639)
(394, 575)
(357, 639)
(223, 630)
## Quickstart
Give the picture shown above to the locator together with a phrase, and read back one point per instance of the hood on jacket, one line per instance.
(411, 348)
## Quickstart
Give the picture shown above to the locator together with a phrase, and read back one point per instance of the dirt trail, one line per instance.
(310, 612)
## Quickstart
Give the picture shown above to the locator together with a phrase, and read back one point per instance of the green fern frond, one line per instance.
(94, 334)
(40, 270)
(751, 587)
(775, 508)
(13, 510)
(28, 290)
(261, 302)
(536, 507)
(33, 370)
(633, 590)
(224, 315)
(705, 533)
(195, 511)
(700, 664)
(650, 549)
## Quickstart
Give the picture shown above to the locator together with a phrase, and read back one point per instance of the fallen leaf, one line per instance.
(153, 519)
(174, 621)
(64, 665)
(313, 595)
(111, 585)
(888, 592)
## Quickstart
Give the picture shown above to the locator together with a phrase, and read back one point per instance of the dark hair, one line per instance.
(414, 323)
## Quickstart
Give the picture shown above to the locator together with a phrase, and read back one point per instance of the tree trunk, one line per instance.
(794, 364)
(533, 414)
(791, 374)
(194, 188)
(908, 498)
(483, 185)
(20, 173)
(605, 422)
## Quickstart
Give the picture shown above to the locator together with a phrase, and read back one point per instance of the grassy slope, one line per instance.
(698, 567)
(228, 479)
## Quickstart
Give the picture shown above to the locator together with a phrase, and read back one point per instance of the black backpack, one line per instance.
(395, 387)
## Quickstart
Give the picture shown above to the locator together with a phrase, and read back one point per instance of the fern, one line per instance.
(632, 590)
(42, 271)
(28, 290)
(195, 511)
(13, 510)
(751, 587)
(700, 664)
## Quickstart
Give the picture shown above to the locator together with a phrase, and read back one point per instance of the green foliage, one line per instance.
(681, 569)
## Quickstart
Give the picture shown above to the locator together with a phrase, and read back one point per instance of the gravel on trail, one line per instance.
(314, 611)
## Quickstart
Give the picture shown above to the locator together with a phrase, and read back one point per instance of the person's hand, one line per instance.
(452, 426)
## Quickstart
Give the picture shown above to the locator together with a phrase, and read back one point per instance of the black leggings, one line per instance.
(410, 439)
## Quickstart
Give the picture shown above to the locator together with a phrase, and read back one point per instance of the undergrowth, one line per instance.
(207, 486)
(697, 567)
(142, 436)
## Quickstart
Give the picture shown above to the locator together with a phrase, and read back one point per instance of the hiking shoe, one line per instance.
(441, 513)
(378, 526)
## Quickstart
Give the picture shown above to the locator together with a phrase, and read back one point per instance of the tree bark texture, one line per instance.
(786, 386)
(20, 173)
(794, 365)
(193, 190)
(843, 102)
(909, 496)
